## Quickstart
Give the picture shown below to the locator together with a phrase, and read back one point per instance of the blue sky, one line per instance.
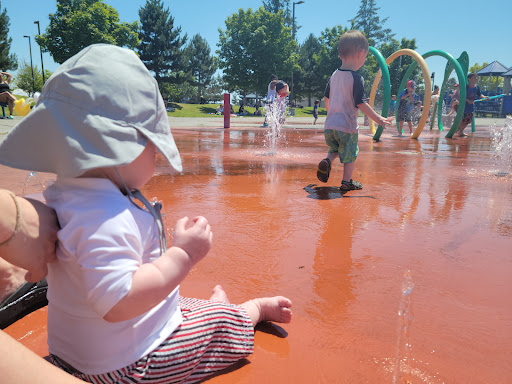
(485, 32)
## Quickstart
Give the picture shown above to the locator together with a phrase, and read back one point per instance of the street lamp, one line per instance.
(42, 66)
(31, 66)
(293, 36)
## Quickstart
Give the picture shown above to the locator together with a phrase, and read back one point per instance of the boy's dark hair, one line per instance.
(470, 75)
(436, 87)
(317, 101)
(273, 77)
(352, 42)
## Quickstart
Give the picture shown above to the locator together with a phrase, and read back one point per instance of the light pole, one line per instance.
(42, 66)
(292, 95)
(31, 66)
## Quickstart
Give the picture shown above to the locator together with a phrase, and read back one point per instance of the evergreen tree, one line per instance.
(80, 23)
(200, 63)
(368, 22)
(160, 43)
(8, 61)
(274, 6)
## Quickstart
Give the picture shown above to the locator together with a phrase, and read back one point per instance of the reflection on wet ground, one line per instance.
(433, 217)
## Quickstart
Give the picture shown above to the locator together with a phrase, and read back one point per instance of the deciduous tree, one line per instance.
(253, 46)
(80, 23)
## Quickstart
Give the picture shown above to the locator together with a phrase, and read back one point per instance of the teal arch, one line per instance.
(463, 60)
(386, 88)
(460, 75)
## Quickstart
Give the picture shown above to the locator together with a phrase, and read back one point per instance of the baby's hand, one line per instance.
(195, 240)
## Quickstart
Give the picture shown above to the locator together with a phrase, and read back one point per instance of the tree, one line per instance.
(328, 57)
(200, 63)
(310, 82)
(215, 90)
(80, 23)
(274, 6)
(161, 45)
(486, 82)
(23, 78)
(8, 61)
(253, 46)
(368, 22)
(400, 65)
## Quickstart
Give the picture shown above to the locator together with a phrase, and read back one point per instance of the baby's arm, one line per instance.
(153, 282)
(368, 111)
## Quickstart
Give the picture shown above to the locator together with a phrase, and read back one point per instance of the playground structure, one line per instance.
(460, 66)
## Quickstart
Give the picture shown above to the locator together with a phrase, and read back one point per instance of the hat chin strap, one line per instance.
(154, 209)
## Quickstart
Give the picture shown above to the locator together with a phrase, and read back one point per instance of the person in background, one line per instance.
(6, 97)
(472, 93)
(315, 111)
(406, 98)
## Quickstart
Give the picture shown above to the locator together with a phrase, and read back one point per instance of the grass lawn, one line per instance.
(208, 110)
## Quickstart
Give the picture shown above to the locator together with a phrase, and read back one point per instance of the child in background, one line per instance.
(404, 107)
(392, 105)
(115, 314)
(344, 98)
(315, 111)
(472, 93)
(416, 113)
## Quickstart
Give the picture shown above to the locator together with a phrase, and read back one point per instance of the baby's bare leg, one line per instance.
(219, 295)
(275, 308)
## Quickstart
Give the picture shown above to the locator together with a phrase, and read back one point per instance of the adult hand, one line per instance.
(33, 245)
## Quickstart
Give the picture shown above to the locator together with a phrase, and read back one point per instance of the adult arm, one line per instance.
(28, 234)
(19, 365)
(8, 77)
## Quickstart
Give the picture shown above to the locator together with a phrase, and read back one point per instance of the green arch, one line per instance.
(454, 64)
(386, 87)
(463, 60)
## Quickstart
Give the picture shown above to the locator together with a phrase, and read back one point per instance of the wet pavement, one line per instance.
(406, 281)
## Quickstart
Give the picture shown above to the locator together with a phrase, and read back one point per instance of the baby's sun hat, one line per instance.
(97, 110)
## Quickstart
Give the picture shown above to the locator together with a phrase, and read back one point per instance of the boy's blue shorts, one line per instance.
(343, 143)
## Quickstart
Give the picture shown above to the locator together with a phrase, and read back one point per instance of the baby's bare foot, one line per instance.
(219, 295)
(275, 308)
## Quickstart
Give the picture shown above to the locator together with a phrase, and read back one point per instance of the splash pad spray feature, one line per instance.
(275, 113)
(502, 143)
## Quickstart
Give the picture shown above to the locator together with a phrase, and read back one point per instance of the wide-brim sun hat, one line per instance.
(97, 110)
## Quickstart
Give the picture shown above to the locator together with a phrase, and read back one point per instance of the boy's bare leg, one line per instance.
(219, 295)
(275, 309)
(461, 128)
(410, 127)
(400, 127)
(348, 169)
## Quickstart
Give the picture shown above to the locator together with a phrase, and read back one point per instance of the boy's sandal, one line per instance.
(324, 169)
(26, 299)
(350, 185)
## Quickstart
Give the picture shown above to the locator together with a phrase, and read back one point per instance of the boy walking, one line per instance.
(472, 93)
(344, 98)
(404, 107)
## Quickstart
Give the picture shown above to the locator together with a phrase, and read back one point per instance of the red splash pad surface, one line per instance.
(431, 207)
